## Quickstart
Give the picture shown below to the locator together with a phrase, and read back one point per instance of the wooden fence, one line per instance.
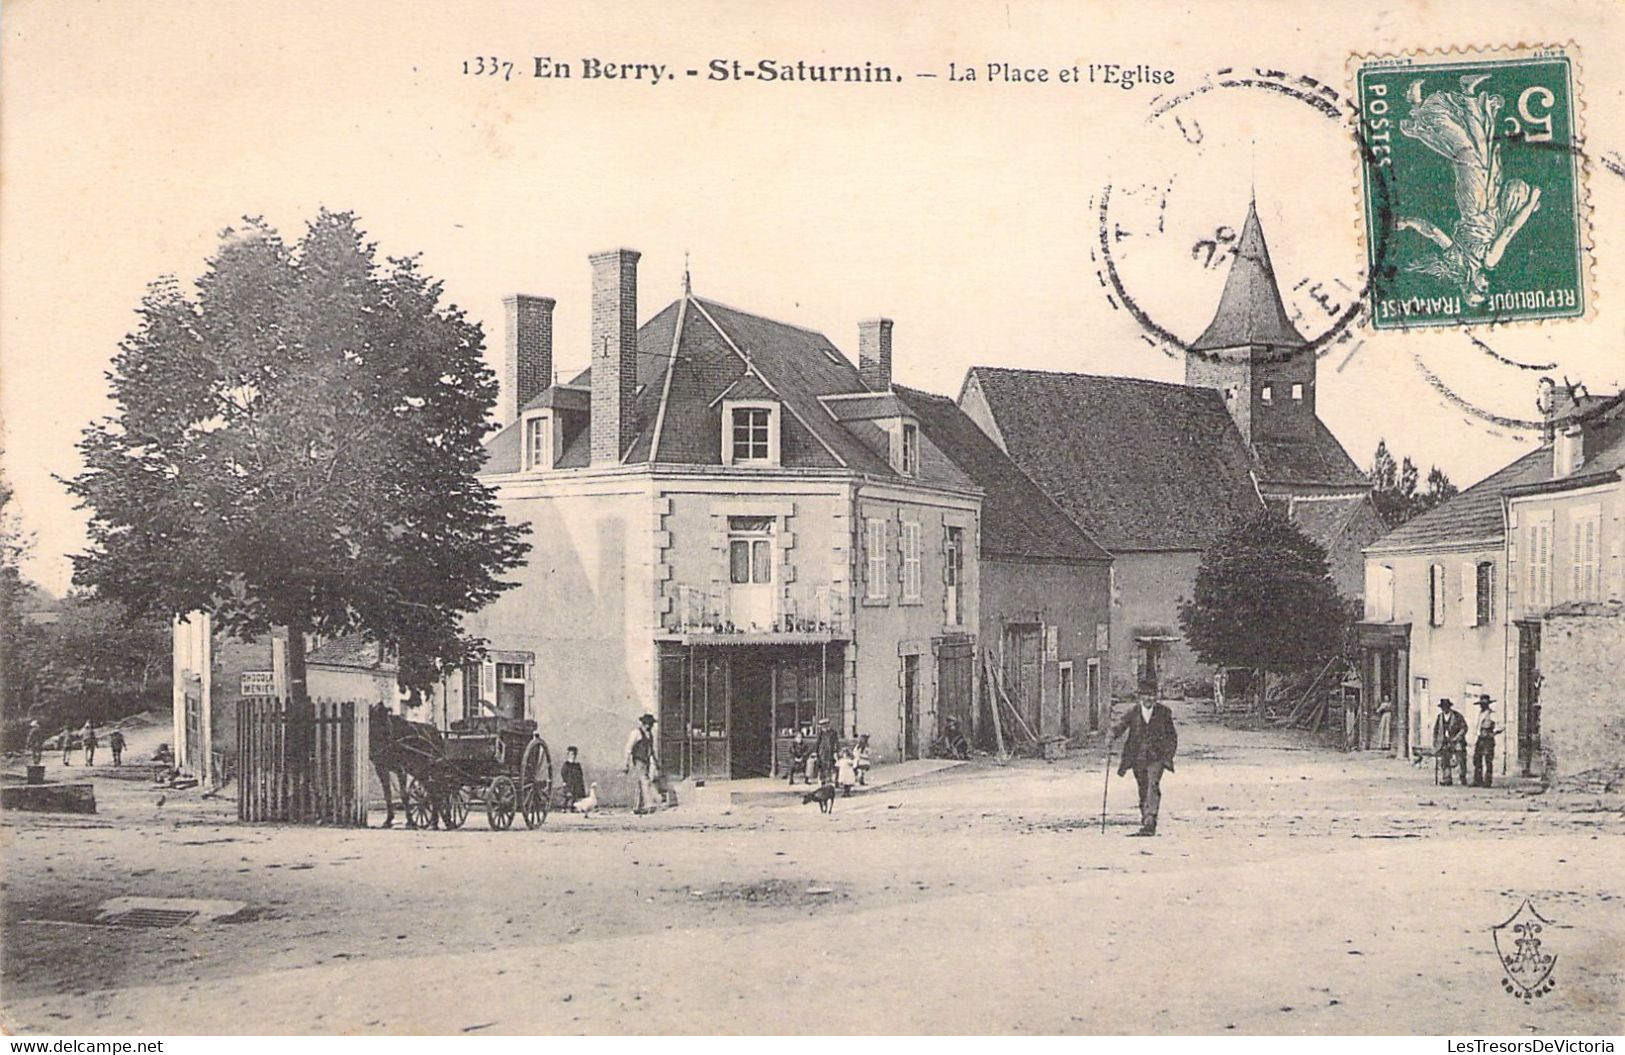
(306, 769)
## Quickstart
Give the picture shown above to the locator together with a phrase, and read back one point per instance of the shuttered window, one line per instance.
(1585, 558)
(911, 561)
(875, 549)
(1436, 595)
(1540, 561)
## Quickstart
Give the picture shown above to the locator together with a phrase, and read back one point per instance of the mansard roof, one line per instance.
(696, 353)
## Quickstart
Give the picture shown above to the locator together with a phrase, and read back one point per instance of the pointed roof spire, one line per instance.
(1250, 309)
(688, 287)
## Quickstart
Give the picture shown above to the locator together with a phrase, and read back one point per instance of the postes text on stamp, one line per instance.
(1472, 188)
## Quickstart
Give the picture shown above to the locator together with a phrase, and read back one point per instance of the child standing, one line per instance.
(575, 781)
(88, 738)
(846, 773)
(115, 743)
(860, 760)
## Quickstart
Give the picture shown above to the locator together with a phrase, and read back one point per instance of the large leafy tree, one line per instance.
(1394, 487)
(14, 670)
(294, 445)
(1264, 600)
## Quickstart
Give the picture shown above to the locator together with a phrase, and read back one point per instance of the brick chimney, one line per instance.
(527, 358)
(874, 353)
(614, 352)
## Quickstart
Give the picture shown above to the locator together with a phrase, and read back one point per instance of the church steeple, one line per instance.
(1250, 309)
(1252, 353)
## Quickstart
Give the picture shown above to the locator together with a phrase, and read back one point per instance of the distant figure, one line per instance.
(641, 757)
(575, 781)
(87, 736)
(860, 759)
(67, 745)
(1484, 745)
(846, 772)
(798, 757)
(824, 751)
(115, 743)
(1450, 742)
(1351, 722)
(36, 741)
(1385, 723)
(1149, 751)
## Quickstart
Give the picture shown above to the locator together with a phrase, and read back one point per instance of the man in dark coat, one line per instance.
(1450, 742)
(1149, 751)
(824, 750)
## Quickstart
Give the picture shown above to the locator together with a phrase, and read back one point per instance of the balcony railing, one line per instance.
(796, 610)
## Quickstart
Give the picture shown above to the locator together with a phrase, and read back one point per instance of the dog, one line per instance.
(824, 796)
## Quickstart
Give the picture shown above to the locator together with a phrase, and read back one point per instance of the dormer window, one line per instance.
(1568, 451)
(1267, 394)
(750, 433)
(538, 440)
(909, 455)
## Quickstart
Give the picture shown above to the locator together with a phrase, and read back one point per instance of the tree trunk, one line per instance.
(301, 727)
(1261, 687)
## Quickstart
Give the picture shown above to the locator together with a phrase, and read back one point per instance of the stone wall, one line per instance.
(1582, 715)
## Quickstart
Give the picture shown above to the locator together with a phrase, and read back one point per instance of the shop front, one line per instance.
(731, 705)
(1385, 680)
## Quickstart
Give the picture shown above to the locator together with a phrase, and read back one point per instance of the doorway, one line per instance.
(750, 717)
(1093, 690)
(911, 707)
(956, 659)
(1067, 689)
(1528, 696)
(1023, 669)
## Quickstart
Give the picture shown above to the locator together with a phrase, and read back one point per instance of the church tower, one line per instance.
(1252, 353)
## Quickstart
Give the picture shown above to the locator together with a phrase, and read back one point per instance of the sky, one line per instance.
(968, 212)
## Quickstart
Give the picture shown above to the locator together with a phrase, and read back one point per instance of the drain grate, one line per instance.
(151, 918)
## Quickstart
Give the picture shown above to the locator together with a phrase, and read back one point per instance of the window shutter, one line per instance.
(1469, 594)
(488, 680)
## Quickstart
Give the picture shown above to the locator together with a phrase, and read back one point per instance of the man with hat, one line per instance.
(1484, 745)
(1450, 742)
(825, 748)
(641, 762)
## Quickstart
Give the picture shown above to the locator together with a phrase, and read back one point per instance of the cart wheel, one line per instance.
(420, 805)
(533, 801)
(454, 807)
(536, 775)
(501, 802)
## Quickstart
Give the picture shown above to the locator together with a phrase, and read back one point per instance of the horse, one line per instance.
(385, 731)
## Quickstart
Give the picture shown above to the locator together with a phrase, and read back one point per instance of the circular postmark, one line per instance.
(1169, 225)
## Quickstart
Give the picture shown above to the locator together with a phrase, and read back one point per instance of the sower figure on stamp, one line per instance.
(1484, 745)
(1149, 751)
(1450, 742)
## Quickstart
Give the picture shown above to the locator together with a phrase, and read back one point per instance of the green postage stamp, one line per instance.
(1473, 192)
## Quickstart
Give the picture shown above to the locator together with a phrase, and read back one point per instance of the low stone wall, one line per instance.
(49, 798)
(1582, 711)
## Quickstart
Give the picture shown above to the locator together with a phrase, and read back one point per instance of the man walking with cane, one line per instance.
(1149, 751)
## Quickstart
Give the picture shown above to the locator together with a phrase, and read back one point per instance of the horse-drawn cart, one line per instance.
(499, 763)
